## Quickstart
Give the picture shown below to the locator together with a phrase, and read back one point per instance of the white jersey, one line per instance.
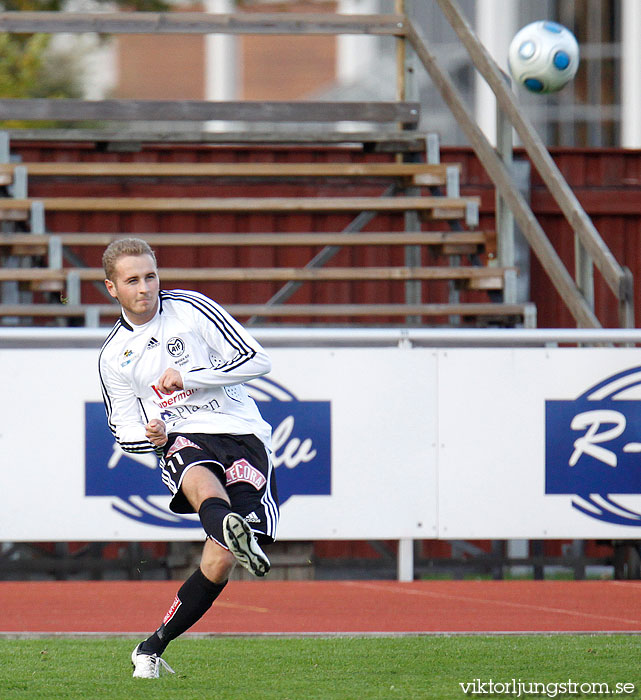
(212, 352)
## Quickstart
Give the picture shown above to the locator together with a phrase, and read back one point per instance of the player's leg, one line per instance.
(195, 470)
(196, 486)
(224, 527)
(194, 598)
(251, 487)
(203, 490)
(206, 495)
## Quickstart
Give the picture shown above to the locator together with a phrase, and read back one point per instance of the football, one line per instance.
(543, 56)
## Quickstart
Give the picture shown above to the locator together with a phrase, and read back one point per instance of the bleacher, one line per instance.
(353, 232)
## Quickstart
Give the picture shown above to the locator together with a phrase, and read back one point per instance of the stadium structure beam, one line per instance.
(200, 23)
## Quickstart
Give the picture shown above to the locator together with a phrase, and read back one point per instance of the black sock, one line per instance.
(212, 511)
(193, 600)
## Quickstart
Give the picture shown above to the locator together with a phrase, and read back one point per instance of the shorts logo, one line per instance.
(179, 444)
(242, 470)
(175, 347)
(592, 446)
(172, 610)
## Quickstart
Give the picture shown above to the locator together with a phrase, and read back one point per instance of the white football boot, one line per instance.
(242, 544)
(148, 665)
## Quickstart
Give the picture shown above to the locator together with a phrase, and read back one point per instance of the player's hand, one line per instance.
(170, 381)
(156, 432)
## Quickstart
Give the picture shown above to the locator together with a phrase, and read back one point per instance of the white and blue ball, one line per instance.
(543, 56)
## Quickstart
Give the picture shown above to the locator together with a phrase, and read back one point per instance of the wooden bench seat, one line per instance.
(471, 277)
(416, 174)
(110, 311)
(405, 114)
(436, 207)
(20, 212)
(447, 242)
(128, 139)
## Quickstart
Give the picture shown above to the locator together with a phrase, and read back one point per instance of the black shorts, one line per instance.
(243, 467)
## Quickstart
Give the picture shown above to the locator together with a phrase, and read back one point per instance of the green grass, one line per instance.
(349, 668)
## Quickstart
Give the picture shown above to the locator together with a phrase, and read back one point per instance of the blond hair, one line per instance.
(121, 247)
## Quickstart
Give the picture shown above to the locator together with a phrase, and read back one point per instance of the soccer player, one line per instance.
(172, 371)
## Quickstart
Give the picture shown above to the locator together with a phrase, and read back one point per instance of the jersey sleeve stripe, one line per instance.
(211, 311)
(103, 387)
(136, 447)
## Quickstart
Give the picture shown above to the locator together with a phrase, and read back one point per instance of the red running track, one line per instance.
(339, 607)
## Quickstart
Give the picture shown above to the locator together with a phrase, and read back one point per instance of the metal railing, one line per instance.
(358, 337)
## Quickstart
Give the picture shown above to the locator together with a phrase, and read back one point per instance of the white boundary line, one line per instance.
(320, 635)
(500, 602)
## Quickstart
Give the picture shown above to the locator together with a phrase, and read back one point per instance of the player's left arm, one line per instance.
(242, 357)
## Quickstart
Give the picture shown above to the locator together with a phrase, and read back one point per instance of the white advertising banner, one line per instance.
(539, 443)
(354, 449)
(369, 443)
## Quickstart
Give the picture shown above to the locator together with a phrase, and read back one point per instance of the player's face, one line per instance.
(135, 284)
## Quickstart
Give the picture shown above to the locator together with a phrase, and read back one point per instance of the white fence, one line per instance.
(377, 435)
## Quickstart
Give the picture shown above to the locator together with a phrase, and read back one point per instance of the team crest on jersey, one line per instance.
(179, 444)
(176, 347)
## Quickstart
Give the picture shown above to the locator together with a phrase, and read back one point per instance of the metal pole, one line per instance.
(407, 90)
(631, 74)
(405, 563)
(504, 216)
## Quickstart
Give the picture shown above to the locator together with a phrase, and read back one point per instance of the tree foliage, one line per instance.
(27, 67)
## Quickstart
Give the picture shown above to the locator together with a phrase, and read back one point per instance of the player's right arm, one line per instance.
(124, 411)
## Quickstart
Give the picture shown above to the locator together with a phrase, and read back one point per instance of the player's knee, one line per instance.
(216, 563)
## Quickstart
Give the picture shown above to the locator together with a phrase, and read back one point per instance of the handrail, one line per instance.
(614, 274)
(199, 23)
(357, 337)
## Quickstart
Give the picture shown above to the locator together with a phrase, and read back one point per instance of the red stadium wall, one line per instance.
(606, 182)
